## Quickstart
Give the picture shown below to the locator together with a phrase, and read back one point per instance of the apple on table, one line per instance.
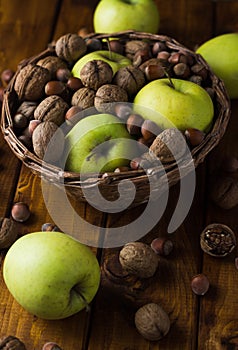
(220, 53)
(119, 15)
(51, 274)
(175, 103)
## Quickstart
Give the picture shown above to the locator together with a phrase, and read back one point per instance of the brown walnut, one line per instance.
(133, 46)
(130, 78)
(11, 343)
(52, 108)
(52, 63)
(8, 232)
(169, 145)
(44, 133)
(139, 259)
(107, 95)
(83, 97)
(152, 322)
(70, 47)
(30, 82)
(27, 108)
(96, 73)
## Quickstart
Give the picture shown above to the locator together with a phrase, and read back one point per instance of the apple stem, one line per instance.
(169, 77)
(77, 290)
(109, 49)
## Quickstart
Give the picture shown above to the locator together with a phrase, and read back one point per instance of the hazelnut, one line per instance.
(154, 71)
(70, 47)
(200, 284)
(199, 69)
(63, 74)
(217, 240)
(55, 87)
(181, 70)
(93, 44)
(20, 121)
(150, 130)
(139, 259)
(133, 124)
(116, 46)
(162, 246)
(74, 83)
(74, 114)
(8, 232)
(152, 322)
(194, 136)
(158, 47)
(20, 212)
(51, 346)
(96, 73)
(32, 125)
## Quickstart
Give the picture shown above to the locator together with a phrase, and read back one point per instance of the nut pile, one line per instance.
(49, 94)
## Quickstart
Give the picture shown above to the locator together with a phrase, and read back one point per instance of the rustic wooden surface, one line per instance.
(209, 322)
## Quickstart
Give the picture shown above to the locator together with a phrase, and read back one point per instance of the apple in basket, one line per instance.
(51, 274)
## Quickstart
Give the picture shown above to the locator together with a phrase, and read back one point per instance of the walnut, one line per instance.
(8, 232)
(27, 108)
(96, 73)
(224, 191)
(30, 82)
(107, 95)
(152, 322)
(52, 63)
(11, 343)
(52, 108)
(48, 133)
(132, 46)
(83, 97)
(130, 78)
(139, 259)
(70, 47)
(169, 145)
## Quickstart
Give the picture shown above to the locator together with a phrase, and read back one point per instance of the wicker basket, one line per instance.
(108, 183)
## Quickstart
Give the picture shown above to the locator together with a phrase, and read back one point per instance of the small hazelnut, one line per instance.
(133, 124)
(51, 346)
(63, 74)
(55, 87)
(154, 71)
(116, 46)
(20, 212)
(162, 246)
(194, 136)
(93, 44)
(163, 55)
(135, 163)
(199, 69)
(74, 83)
(20, 121)
(32, 125)
(150, 130)
(200, 284)
(139, 259)
(158, 47)
(181, 70)
(121, 169)
(74, 114)
(152, 322)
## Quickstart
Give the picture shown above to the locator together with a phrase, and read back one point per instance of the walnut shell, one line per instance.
(83, 97)
(169, 145)
(107, 95)
(8, 232)
(130, 78)
(52, 63)
(96, 73)
(27, 108)
(139, 259)
(217, 240)
(132, 46)
(45, 134)
(70, 47)
(152, 322)
(30, 82)
(52, 108)
(10, 342)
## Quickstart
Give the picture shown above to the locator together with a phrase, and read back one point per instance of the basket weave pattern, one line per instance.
(108, 183)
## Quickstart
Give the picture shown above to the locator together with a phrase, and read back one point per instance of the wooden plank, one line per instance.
(218, 315)
(113, 319)
(25, 29)
(226, 13)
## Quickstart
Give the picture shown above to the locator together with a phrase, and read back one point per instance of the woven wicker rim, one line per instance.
(139, 177)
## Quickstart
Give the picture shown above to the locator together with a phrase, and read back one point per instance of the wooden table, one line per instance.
(209, 322)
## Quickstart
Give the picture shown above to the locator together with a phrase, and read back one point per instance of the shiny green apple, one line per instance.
(220, 53)
(182, 105)
(115, 60)
(118, 15)
(51, 275)
(98, 143)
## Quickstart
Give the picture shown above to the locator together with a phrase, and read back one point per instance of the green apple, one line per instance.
(182, 104)
(99, 143)
(220, 53)
(118, 15)
(51, 274)
(114, 59)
